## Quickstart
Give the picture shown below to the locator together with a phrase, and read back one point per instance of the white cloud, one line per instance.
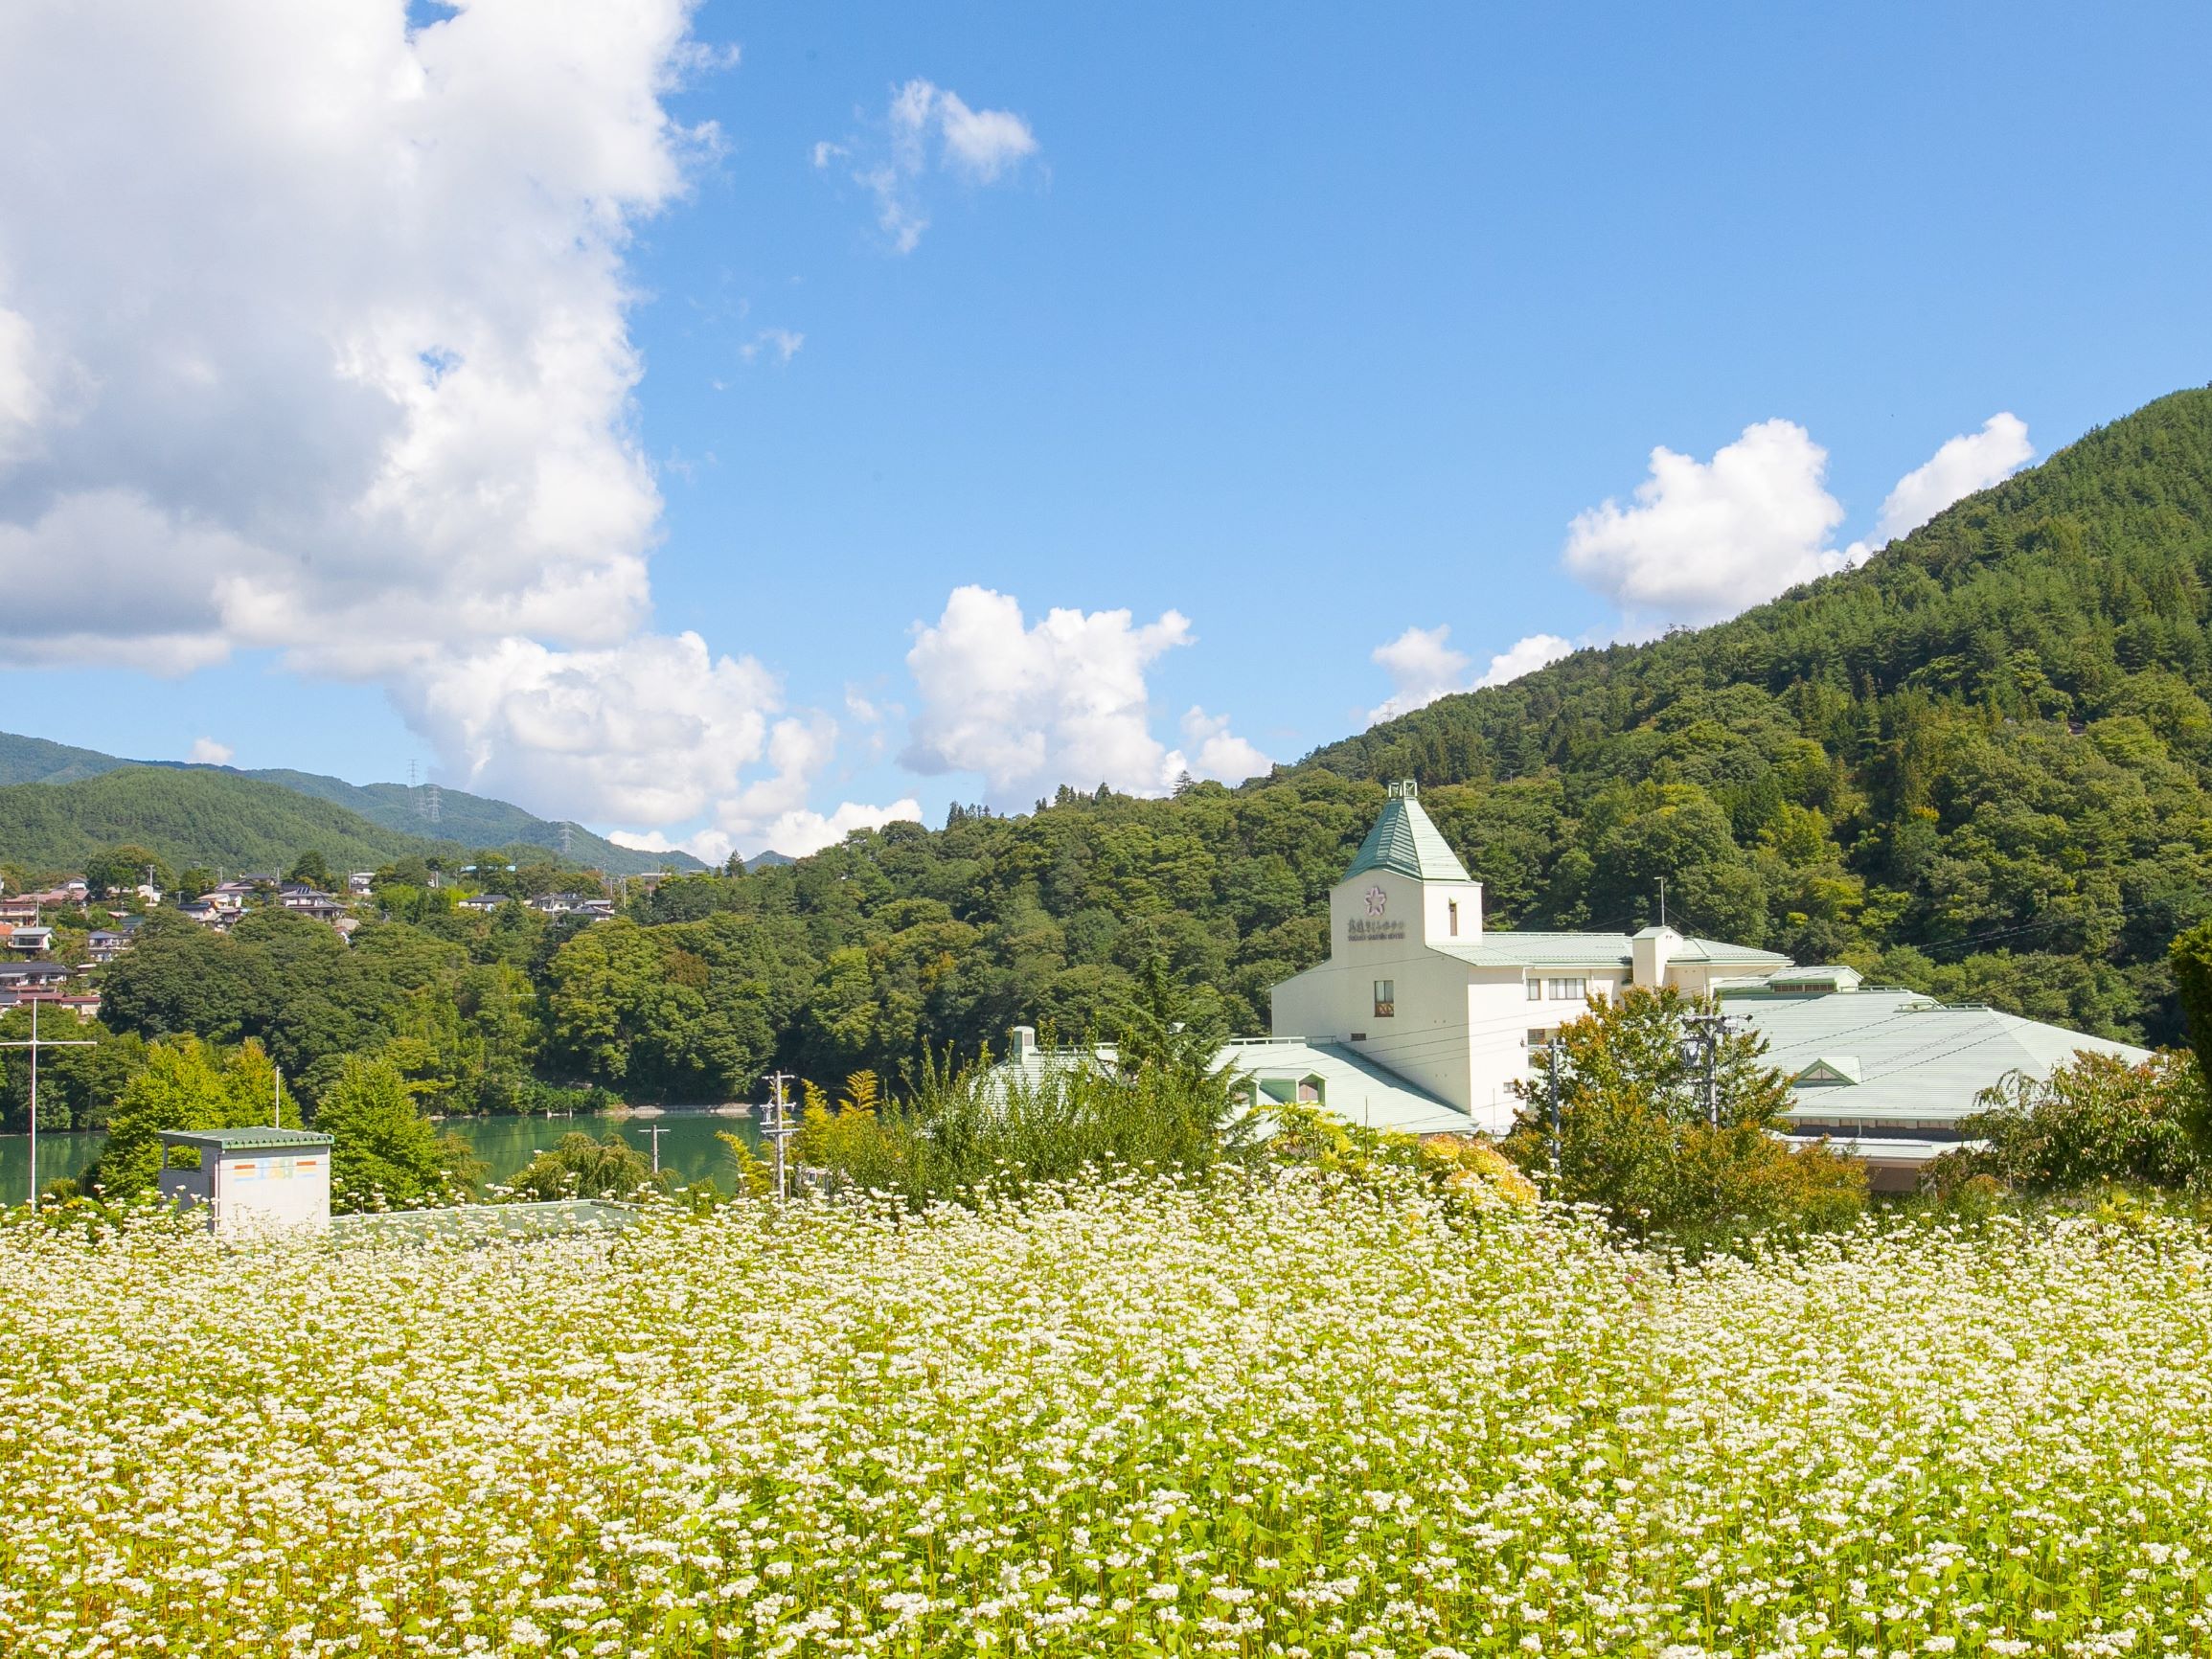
(783, 344)
(983, 143)
(207, 752)
(1423, 667)
(1969, 462)
(313, 336)
(980, 145)
(1214, 751)
(1706, 538)
(1031, 706)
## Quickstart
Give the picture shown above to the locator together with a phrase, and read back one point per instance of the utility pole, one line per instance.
(656, 1131)
(34, 1044)
(1662, 901)
(1707, 1030)
(1551, 1054)
(780, 1128)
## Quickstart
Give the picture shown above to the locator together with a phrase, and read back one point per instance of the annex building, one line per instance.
(1420, 1017)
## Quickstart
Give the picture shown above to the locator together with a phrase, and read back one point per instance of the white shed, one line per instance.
(250, 1179)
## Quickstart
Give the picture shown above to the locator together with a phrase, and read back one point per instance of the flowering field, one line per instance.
(1271, 1418)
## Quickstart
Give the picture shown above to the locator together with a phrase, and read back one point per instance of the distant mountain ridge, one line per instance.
(469, 820)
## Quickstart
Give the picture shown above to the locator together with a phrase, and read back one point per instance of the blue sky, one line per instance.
(1312, 327)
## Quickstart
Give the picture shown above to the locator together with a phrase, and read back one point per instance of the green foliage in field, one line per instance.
(1285, 1414)
(184, 1084)
(578, 1167)
(386, 1154)
(1638, 1133)
(2095, 1122)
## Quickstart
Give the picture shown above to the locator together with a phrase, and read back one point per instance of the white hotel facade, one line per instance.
(1415, 985)
(1421, 1018)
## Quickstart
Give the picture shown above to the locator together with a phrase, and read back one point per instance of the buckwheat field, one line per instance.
(1253, 1417)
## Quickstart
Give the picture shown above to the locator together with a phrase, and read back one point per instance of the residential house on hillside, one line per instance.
(18, 977)
(312, 901)
(105, 944)
(362, 883)
(30, 940)
(22, 908)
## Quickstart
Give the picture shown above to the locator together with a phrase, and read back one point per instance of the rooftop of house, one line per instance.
(1882, 1055)
(1404, 839)
(252, 1139)
(1352, 1086)
(1516, 949)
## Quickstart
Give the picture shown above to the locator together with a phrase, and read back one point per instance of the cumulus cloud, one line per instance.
(313, 336)
(1029, 706)
(207, 752)
(1969, 462)
(929, 128)
(1423, 667)
(1703, 539)
(1211, 750)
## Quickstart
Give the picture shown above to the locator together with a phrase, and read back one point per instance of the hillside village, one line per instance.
(57, 937)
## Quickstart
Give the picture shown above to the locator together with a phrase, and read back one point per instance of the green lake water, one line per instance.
(687, 1147)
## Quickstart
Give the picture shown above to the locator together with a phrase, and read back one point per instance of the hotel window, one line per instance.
(1566, 990)
(1451, 914)
(1385, 998)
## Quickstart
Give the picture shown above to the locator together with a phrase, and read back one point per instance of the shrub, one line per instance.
(2092, 1120)
(1638, 1132)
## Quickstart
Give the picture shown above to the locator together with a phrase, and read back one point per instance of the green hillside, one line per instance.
(475, 821)
(35, 760)
(472, 821)
(189, 816)
(1980, 765)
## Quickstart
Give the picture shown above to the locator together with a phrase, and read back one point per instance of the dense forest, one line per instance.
(1976, 765)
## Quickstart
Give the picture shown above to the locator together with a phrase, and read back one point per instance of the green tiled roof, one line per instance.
(1406, 841)
(235, 1140)
(1532, 949)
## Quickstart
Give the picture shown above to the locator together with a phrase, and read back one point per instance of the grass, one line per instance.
(1250, 1414)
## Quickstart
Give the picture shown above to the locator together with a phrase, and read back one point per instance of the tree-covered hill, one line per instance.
(475, 821)
(191, 816)
(469, 820)
(1980, 765)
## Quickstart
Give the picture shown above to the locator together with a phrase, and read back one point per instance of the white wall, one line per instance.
(284, 1187)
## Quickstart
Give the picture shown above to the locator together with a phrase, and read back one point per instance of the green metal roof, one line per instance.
(1406, 841)
(1533, 949)
(237, 1140)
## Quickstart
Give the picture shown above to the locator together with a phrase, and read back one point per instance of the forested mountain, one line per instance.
(475, 821)
(191, 816)
(466, 819)
(1980, 765)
